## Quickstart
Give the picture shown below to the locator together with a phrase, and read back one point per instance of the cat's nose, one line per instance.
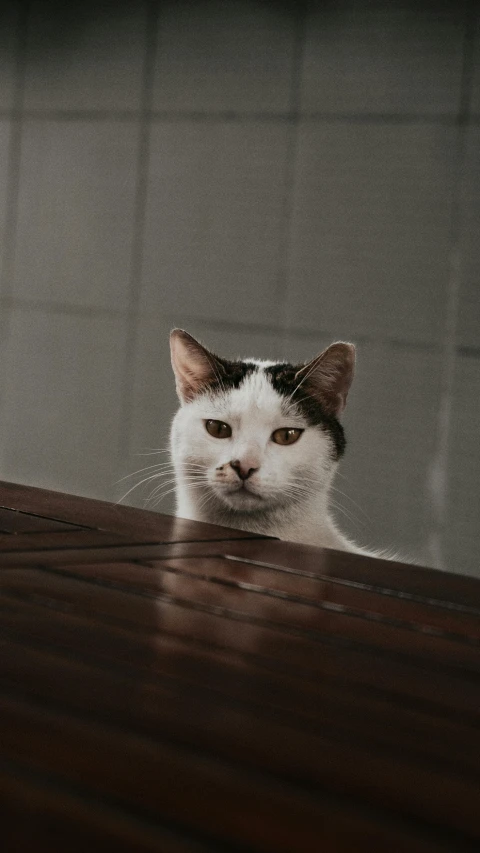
(243, 471)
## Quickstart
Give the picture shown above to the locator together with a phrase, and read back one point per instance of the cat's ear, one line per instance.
(195, 368)
(328, 376)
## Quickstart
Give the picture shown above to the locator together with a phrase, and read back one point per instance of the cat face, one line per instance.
(257, 435)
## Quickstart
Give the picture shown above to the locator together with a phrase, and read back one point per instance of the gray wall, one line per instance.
(271, 176)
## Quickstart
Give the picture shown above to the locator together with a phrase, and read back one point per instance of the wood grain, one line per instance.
(166, 685)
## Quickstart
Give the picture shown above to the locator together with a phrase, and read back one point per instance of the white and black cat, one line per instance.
(255, 444)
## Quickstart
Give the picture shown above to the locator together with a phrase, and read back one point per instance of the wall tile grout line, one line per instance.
(16, 117)
(132, 322)
(290, 169)
(306, 334)
(63, 308)
(437, 483)
(290, 116)
(12, 192)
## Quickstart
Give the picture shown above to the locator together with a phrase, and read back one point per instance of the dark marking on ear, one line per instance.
(285, 382)
(197, 370)
(328, 377)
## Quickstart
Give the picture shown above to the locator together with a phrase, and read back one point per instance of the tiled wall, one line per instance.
(271, 176)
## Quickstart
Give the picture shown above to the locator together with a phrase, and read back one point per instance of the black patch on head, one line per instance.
(230, 374)
(282, 377)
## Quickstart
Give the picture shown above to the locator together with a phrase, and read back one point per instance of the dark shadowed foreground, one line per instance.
(174, 686)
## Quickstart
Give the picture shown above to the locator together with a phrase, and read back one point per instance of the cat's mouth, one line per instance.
(239, 494)
(242, 489)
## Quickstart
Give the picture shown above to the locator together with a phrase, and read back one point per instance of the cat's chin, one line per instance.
(241, 500)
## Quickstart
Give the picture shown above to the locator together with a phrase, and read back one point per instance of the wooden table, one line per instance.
(174, 686)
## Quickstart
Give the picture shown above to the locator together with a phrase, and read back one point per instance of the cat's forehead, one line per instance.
(247, 394)
(256, 393)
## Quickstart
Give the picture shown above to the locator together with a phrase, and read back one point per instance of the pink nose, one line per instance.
(242, 469)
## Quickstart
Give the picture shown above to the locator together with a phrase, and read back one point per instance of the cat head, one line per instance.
(256, 435)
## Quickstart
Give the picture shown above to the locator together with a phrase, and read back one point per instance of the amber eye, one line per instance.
(286, 435)
(218, 429)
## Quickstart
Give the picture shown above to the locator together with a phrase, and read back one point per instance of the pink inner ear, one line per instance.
(192, 365)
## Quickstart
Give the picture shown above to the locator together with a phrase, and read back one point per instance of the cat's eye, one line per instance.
(286, 435)
(218, 429)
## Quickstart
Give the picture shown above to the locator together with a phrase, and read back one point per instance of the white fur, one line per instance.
(287, 496)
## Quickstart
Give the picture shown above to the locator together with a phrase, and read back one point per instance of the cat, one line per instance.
(255, 444)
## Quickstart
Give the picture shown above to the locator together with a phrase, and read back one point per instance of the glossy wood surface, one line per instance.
(172, 686)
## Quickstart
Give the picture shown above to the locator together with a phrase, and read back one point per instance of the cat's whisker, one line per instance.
(312, 492)
(159, 466)
(166, 467)
(161, 496)
(156, 475)
(191, 484)
(304, 485)
(158, 495)
(141, 470)
(136, 486)
(208, 498)
(355, 521)
(190, 480)
(299, 489)
(155, 472)
(150, 451)
(344, 495)
(298, 492)
(152, 503)
(187, 472)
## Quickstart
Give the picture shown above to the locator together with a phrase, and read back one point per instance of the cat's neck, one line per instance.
(308, 522)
